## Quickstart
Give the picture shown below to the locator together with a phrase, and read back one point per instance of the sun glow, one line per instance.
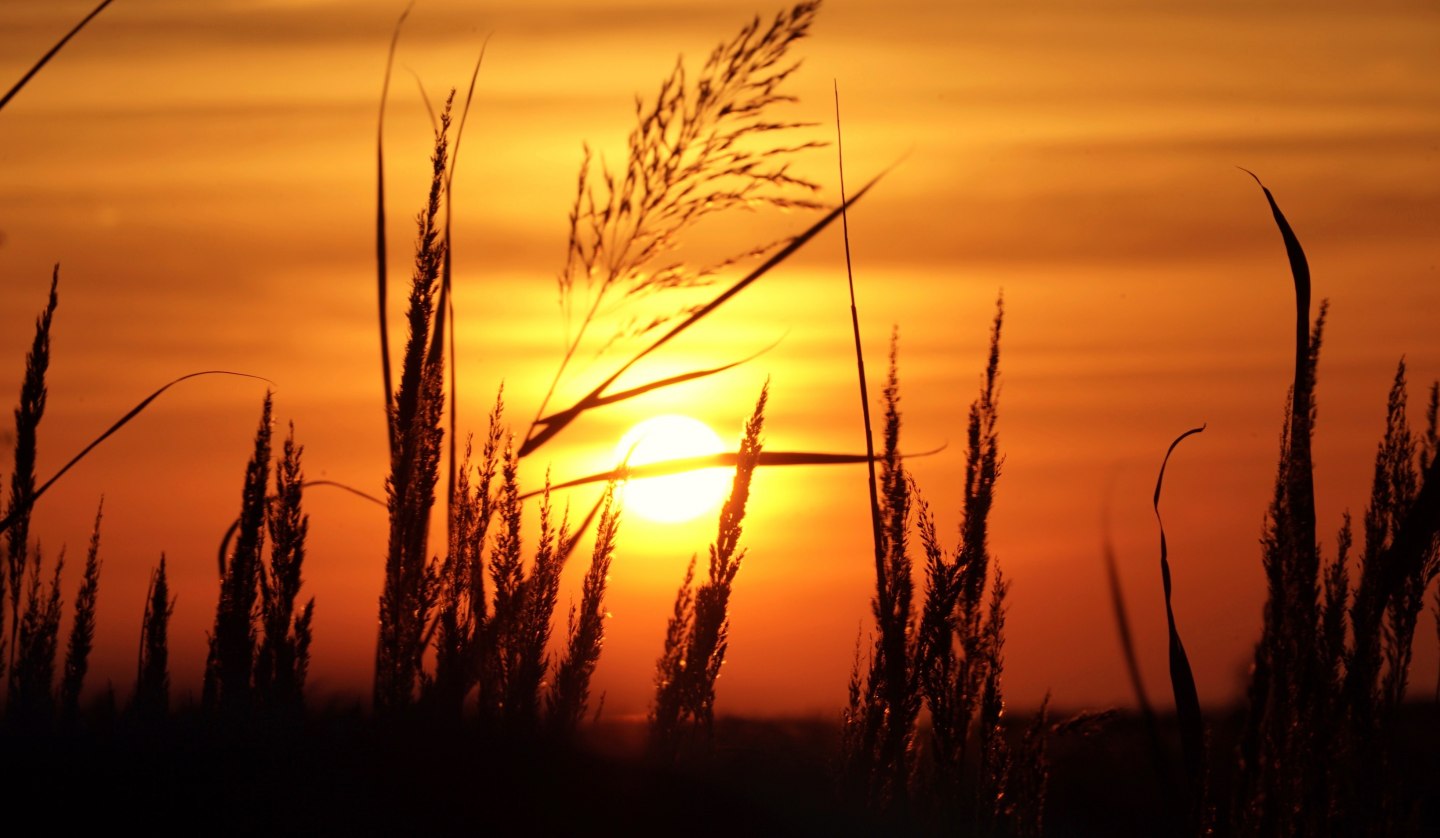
(677, 497)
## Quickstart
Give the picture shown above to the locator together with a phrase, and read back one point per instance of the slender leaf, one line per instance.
(1182, 680)
(45, 59)
(381, 254)
(120, 423)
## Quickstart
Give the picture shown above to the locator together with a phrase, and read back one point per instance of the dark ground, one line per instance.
(340, 774)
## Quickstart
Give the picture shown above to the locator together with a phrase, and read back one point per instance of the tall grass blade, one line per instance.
(1182, 680)
(877, 536)
(381, 253)
(45, 59)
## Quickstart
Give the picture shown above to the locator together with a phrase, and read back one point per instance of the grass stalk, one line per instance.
(82, 629)
(152, 670)
(229, 670)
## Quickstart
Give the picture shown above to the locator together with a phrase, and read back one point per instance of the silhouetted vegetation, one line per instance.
(468, 653)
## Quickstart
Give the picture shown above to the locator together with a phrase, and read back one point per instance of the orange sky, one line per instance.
(204, 173)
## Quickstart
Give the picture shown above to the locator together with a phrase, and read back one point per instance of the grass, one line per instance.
(471, 656)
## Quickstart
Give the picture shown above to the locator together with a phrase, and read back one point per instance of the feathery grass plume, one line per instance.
(507, 578)
(461, 620)
(891, 680)
(879, 765)
(666, 713)
(22, 479)
(699, 149)
(513, 649)
(1398, 451)
(411, 579)
(522, 643)
(952, 657)
(570, 688)
(230, 668)
(82, 630)
(32, 675)
(284, 653)
(958, 649)
(1182, 679)
(454, 626)
(698, 635)
(696, 152)
(152, 670)
(1388, 597)
(1429, 453)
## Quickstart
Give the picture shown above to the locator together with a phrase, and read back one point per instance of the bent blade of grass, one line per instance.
(235, 524)
(564, 417)
(1301, 474)
(542, 430)
(45, 59)
(1132, 665)
(1182, 680)
(120, 423)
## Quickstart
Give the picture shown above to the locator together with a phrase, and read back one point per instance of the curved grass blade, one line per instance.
(564, 417)
(1132, 665)
(1182, 680)
(1301, 472)
(45, 59)
(120, 423)
(381, 254)
(723, 459)
(543, 430)
(235, 524)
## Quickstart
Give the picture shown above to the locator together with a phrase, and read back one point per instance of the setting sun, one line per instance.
(677, 497)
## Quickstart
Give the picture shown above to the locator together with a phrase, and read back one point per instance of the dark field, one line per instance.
(341, 774)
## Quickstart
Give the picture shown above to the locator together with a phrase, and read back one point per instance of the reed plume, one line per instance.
(283, 658)
(82, 630)
(229, 670)
(569, 693)
(411, 582)
(28, 414)
(152, 670)
(32, 693)
(698, 635)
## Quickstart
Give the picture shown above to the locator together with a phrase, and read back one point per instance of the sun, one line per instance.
(678, 497)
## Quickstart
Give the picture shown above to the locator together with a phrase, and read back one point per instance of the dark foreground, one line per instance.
(340, 774)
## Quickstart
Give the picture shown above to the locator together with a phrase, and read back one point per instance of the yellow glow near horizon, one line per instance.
(677, 497)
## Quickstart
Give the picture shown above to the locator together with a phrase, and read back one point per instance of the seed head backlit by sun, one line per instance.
(678, 497)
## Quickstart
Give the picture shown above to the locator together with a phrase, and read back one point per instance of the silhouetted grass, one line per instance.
(698, 635)
(467, 640)
(82, 629)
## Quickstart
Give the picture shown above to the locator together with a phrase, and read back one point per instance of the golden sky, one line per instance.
(204, 173)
